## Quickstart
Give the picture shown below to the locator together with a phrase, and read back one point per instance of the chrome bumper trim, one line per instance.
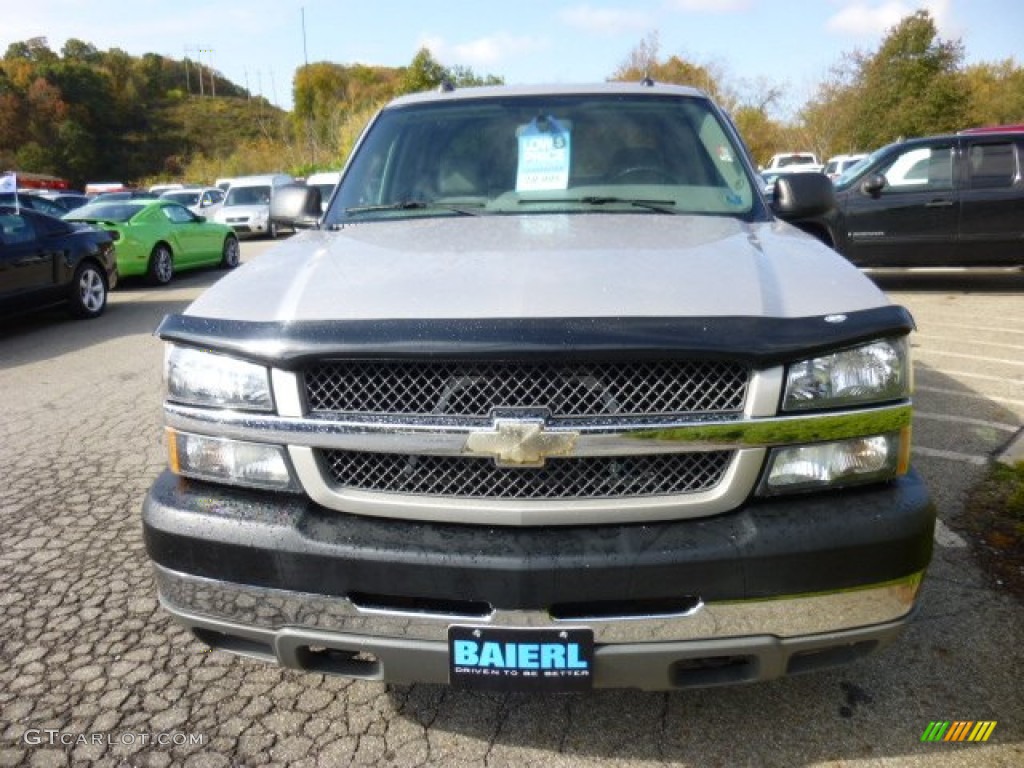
(448, 438)
(276, 610)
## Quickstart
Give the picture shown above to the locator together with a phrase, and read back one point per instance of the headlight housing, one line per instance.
(870, 373)
(195, 377)
(868, 459)
(255, 465)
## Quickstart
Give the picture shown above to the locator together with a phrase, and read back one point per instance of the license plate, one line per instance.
(540, 660)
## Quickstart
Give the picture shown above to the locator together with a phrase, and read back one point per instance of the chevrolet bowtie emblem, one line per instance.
(521, 443)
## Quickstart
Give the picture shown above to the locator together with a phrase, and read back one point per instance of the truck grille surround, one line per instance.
(581, 393)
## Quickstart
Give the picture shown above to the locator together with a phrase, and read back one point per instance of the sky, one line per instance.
(259, 43)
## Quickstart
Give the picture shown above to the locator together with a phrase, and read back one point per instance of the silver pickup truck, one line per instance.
(549, 397)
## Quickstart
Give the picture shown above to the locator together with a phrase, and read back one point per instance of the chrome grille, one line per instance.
(474, 389)
(571, 478)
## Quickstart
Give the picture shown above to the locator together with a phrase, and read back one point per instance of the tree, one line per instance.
(911, 86)
(762, 135)
(465, 77)
(996, 93)
(645, 61)
(35, 50)
(425, 73)
(80, 52)
(830, 117)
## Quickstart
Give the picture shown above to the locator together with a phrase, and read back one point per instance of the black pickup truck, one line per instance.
(938, 201)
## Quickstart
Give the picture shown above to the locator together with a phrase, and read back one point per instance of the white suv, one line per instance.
(793, 162)
(840, 164)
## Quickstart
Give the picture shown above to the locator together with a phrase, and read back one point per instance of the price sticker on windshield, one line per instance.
(544, 155)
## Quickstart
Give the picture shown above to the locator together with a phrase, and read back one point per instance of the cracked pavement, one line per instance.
(92, 672)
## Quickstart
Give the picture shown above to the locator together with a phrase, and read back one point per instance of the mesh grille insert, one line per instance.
(473, 389)
(575, 478)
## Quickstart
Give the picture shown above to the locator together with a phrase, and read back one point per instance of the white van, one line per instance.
(246, 206)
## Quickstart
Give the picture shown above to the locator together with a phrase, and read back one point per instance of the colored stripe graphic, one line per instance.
(959, 730)
(982, 730)
(935, 731)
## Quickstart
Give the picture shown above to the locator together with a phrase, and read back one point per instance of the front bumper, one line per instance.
(778, 587)
(248, 226)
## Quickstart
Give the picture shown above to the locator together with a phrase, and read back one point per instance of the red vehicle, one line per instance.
(40, 181)
(995, 128)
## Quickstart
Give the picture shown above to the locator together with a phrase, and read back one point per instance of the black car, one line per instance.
(931, 202)
(34, 202)
(66, 200)
(45, 260)
(124, 194)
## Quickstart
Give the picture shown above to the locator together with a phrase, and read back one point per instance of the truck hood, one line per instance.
(543, 266)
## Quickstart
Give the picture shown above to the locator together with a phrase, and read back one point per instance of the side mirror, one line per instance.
(296, 206)
(873, 184)
(802, 196)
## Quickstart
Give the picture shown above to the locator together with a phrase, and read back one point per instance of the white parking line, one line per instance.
(972, 395)
(961, 326)
(919, 351)
(1003, 361)
(965, 458)
(946, 537)
(956, 340)
(970, 375)
(965, 420)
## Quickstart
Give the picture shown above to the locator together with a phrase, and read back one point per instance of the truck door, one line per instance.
(912, 220)
(992, 209)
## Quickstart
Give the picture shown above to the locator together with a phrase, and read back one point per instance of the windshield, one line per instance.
(543, 154)
(117, 211)
(795, 160)
(185, 198)
(857, 168)
(248, 196)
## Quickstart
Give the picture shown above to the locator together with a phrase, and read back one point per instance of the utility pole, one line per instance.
(199, 51)
(199, 67)
(309, 124)
(188, 83)
(305, 53)
(213, 82)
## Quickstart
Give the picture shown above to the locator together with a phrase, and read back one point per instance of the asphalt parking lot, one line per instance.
(92, 672)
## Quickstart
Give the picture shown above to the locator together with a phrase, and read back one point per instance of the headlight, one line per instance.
(257, 465)
(203, 378)
(867, 374)
(846, 462)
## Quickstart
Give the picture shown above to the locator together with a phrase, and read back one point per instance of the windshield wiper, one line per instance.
(417, 205)
(660, 206)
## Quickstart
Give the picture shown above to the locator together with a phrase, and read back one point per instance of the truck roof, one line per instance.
(490, 91)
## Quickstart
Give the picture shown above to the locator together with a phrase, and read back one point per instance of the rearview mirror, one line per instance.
(802, 195)
(873, 184)
(296, 206)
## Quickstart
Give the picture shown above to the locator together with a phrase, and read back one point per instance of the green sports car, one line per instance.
(156, 238)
